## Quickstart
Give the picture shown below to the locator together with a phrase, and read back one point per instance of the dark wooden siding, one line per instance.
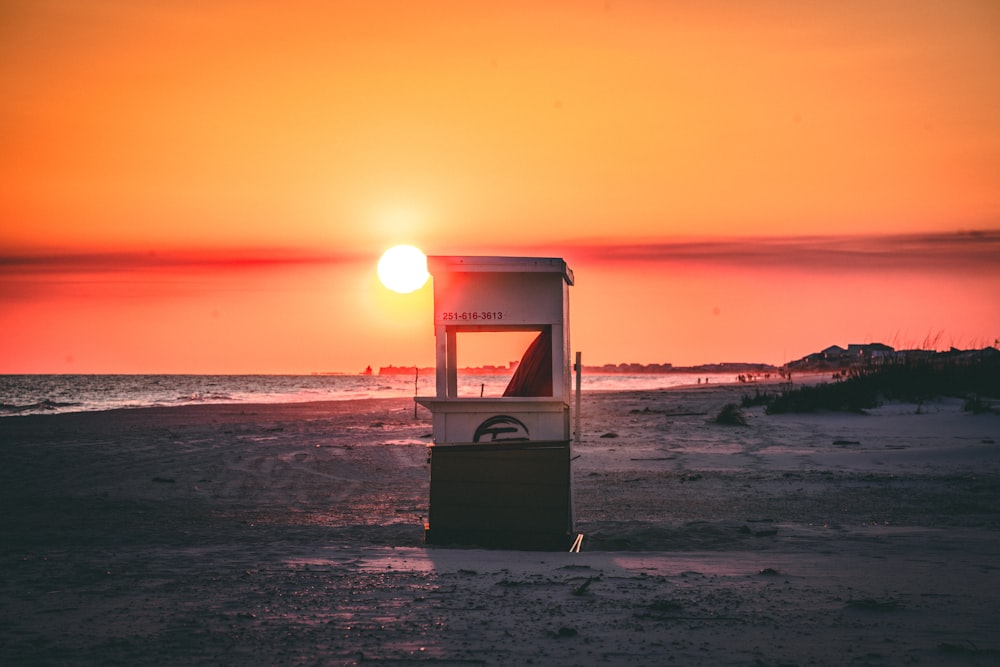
(501, 495)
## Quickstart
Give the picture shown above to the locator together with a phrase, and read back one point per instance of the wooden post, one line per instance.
(579, 372)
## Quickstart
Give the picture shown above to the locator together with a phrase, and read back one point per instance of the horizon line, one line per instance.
(970, 250)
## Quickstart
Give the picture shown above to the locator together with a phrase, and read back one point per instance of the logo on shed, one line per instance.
(501, 428)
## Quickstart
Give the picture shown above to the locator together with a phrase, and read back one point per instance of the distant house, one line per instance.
(883, 354)
(913, 355)
(834, 352)
(868, 351)
(875, 354)
(835, 356)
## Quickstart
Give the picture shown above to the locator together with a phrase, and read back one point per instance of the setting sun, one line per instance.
(403, 269)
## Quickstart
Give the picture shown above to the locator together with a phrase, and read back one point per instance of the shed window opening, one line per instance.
(504, 363)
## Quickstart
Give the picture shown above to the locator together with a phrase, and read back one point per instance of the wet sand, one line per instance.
(292, 534)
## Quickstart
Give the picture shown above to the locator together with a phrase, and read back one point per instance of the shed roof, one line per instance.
(485, 264)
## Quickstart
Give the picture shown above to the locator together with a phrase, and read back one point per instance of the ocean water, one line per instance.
(48, 394)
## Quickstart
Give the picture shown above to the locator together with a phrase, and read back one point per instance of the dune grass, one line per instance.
(975, 378)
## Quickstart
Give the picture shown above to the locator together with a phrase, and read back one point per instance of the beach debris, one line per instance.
(609, 435)
(731, 415)
(582, 588)
(510, 583)
(164, 480)
(769, 572)
(563, 633)
(841, 443)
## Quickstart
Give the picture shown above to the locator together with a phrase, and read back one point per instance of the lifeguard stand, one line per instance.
(500, 466)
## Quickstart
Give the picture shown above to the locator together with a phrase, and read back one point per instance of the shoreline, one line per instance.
(231, 412)
(12, 411)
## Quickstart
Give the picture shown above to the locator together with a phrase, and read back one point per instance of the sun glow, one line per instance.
(403, 269)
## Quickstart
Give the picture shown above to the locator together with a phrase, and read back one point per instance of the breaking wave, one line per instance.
(34, 408)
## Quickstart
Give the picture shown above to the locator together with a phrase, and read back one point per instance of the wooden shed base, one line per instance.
(509, 495)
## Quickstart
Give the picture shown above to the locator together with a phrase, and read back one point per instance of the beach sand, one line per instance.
(292, 534)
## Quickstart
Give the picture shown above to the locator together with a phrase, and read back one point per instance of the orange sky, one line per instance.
(206, 186)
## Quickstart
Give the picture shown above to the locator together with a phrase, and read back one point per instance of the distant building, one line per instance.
(834, 353)
(868, 351)
(836, 357)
